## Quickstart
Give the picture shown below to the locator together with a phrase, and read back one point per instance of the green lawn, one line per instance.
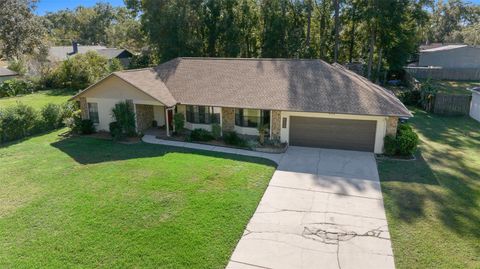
(38, 99)
(455, 87)
(433, 203)
(83, 202)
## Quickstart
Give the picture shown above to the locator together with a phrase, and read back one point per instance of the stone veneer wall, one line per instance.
(84, 108)
(144, 117)
(392, 123)
(276, 124)
(228, 119)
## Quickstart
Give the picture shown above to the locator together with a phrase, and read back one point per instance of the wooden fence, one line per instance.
(444, 73)
(450, 104)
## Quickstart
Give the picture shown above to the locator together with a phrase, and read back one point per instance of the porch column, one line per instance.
(84, 108)
(275, 123)
(166, 121)
(228, 119)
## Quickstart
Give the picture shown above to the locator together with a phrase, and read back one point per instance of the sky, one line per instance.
(44, 6)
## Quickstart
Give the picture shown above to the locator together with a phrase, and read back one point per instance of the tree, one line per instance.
(337, 26)
(21, 32)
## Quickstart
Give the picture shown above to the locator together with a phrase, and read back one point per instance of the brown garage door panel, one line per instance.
(333, 133)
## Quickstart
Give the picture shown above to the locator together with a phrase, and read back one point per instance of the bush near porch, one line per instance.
(95, 203)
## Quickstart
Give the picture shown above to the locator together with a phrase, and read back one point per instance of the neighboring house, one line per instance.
(475, 105)
(303, 102)
(451, 56)
(447, 62)
(61, 53)
(6, 74)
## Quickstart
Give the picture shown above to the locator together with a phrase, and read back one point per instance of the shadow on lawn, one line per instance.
(443, 177)
(86, 150)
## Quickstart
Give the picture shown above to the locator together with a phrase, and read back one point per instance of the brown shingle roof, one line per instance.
(147, 81)
(279, 84)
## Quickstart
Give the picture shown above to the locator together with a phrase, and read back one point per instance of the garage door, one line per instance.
(333, 133)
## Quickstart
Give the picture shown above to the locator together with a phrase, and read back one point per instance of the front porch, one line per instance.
(157, 120)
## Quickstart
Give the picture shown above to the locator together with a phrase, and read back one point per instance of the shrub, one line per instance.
(18, 66)
(86, 127)
(17, 122)
(232, 138)
(407, 140)
(115, 130)
(81, 70)
(216, 131)
(179, 122)
(73, 120)
(125, 117)
(411, 98)
(427, 95)
(15, 87)
(390, 145)
(52, 116)
(262, 131)
(201, 135)
(404, 144)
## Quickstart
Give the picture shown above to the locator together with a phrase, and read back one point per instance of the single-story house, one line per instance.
(61, 53)
(450, 56)
(6, 74)
(303, 102)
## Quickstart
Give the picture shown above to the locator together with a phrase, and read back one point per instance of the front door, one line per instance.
(170, 119)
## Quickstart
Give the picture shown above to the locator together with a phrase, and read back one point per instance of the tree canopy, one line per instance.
(381, 34)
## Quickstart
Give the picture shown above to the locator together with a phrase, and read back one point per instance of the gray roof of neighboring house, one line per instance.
(5, 72)
(443, 48)
(61, 53)
(111, 53)
(277, 84)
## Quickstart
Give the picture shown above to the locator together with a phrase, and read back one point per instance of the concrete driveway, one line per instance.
(322, 209)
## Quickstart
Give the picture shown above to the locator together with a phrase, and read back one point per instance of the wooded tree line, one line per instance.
(383, 34)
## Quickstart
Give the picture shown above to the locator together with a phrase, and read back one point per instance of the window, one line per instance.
(251, 117)
(202, 115)
(93, 112)
(284, 123)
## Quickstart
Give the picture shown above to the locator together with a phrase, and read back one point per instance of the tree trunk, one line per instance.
(370, 53)
(337, 22)
(323, 25)
(309, 22)
(352, 34)
(379, 66)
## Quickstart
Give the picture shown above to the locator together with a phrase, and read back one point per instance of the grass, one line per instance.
(433, 203)
(84, 202)
(455, 87)
(38, 99)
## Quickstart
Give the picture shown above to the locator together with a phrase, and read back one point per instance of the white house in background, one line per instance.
(6, 74)
(475, 105)
(451, 56)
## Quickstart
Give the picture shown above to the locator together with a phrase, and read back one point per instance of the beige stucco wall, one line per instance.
(109, 92)
(144, 117)
(466, 57)
(379, 134)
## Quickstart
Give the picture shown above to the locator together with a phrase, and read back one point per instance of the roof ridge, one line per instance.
(134, 70)
(373, 86)
(248, 59)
